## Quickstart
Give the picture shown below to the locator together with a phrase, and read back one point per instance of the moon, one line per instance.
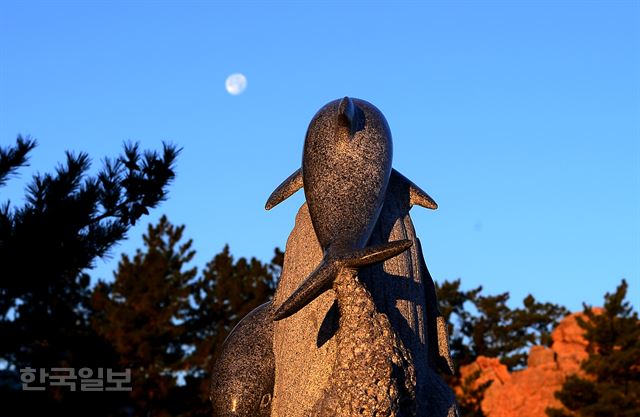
(236, 84)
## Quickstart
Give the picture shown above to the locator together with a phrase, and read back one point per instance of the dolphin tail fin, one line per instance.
(316, 283)
(321, 279)
(285, 190)
(416, 195)
(375, 254)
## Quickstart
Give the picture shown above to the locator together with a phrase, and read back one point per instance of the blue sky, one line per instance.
(522, 120)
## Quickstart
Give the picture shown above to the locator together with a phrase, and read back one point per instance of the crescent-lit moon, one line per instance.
(236, 84)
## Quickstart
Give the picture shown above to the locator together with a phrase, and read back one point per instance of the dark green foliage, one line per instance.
(611, 384)
(454, 305)
(226, 292)
(162, 318)
(142, 315)
(576, 393)
(69, 219)
(484, 325)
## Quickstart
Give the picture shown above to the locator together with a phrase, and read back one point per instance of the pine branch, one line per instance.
(12, 158)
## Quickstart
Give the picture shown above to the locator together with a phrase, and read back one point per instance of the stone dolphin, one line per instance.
(346, 167)
(243, 375)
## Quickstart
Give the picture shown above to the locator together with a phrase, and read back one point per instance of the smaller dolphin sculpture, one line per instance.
(346, 167)
(243, 375)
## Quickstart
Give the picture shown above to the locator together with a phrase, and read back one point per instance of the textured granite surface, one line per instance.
(305, 344)
(345, 170)
(403, 289)
(354, 328)
(346, 165)
(373, 374)
(375, 350)
(243, 375)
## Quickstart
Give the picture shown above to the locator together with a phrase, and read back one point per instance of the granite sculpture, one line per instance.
(243, 375)
(346, 165)
(354, 325)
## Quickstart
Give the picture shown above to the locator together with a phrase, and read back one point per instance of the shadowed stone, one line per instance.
(403, 289)
(243, 374)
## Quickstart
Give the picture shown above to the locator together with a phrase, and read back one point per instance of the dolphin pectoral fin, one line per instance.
(374, 254)
(285, 190)
(416, 195)
(319, 281)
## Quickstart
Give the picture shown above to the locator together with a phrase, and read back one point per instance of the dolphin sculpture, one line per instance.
(346, 167)
(243, 375)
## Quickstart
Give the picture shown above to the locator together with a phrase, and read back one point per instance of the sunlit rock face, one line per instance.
(529, 392)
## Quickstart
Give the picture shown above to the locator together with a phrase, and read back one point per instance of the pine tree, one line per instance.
(143, 313)
(47, 244)
(68, 221)
(611, 383)
(12, 158)
(226, 292)
(484, 325)
(165, 320)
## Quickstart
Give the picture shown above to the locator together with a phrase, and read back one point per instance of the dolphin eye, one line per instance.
(266, 400)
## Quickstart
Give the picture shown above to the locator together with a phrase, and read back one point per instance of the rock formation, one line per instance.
(529, 392)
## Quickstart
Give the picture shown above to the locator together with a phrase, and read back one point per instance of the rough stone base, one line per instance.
(373, 374)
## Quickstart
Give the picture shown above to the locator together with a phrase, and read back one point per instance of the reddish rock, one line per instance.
(569, 344)
(487, 369)
(528, 392)
(542, 357)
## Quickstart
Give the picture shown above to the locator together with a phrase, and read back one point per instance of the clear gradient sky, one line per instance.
(522, 120)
